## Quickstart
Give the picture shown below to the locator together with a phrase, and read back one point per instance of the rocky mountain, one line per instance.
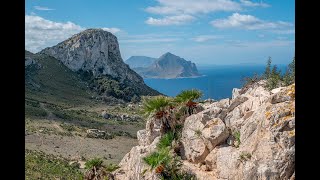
(251, 136)
(169, 66)
(140, 61)
(95, 54)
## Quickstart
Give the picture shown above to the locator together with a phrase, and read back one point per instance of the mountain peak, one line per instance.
(97, 51)
(168, 54)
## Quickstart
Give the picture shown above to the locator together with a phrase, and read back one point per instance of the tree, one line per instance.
(188, 97)
(267, 72)
(289, 76)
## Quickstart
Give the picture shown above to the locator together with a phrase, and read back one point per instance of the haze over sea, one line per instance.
(217, 82)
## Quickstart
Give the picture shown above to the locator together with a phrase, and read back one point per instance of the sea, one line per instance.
(216, 82)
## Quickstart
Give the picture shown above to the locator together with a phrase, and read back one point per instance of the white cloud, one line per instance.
(167, 7)
(41, 33)
(248, 22)
(149, 40)
(40, 8)
(204, 38)
(170, 20)
(112, 30)
(252, 4)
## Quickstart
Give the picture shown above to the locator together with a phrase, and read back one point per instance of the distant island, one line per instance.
(166, 66)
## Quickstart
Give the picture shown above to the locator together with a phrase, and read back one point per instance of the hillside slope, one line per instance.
(48, 80)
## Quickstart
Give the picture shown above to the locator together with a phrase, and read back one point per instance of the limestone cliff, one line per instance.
(97, 52)
(251, 136)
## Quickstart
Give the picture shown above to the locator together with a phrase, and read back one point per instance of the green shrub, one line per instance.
(156, 104)
(111, 167)
(166, 140)
(161, 156)
(188, 95)
(236, 135)
(95, 162)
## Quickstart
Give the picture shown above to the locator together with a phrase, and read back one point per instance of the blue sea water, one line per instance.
(216, 83)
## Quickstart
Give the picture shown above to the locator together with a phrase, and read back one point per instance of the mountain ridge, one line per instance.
(169, 66)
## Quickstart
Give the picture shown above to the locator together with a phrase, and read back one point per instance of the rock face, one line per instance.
(97, 51)
(169, 66)
(265, 147)
(140, 61)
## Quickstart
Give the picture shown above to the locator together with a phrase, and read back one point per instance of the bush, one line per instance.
(236, 135)
(95, 162)
(159, 157)
(111, 167)
(166, 140)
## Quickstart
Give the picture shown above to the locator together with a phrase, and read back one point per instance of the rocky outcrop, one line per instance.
(265, 149)
(97, 52)
(169, 66)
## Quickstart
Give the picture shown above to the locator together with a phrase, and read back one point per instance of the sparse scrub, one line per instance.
(159, 157)
(244, 156)
(166, 140)
(236, 135)
(95, 162)
(39, 165)
(111, 167)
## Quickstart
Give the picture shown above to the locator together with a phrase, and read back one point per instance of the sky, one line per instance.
(203, 31)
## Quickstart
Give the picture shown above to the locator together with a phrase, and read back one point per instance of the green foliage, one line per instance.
(172, 171)
(111, 167)
(289, 76)
(178, 132)
(273, 77)
(236, 135)
(251, 80)
(166, 140)
(161, 156)
(274, 80)
(155, 104)
(39, 165)
(267, 71)
(188, 95)
(95, 162)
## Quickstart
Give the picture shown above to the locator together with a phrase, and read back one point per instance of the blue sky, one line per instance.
(203, 31)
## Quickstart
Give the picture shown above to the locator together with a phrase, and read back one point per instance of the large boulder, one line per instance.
(200, 135)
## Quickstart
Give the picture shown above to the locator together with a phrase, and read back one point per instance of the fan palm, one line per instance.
(188, 97)
(158, 106)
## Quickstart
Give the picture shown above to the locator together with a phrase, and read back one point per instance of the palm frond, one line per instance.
(156, 104)
(188, 95)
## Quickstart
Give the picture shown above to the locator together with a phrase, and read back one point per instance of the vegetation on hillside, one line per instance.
(273, 76)
(95, 170)
(39, 165)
